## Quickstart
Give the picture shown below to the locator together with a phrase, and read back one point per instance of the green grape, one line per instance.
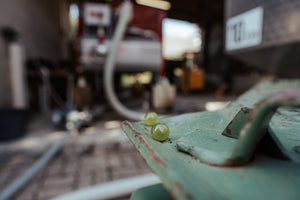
(160, 132)
(151, 118)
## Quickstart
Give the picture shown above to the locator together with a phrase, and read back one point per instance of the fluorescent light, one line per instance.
(160, 4)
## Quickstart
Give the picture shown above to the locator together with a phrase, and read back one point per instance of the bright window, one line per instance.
(180, 37)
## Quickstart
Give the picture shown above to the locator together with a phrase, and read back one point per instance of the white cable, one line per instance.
(112, 189)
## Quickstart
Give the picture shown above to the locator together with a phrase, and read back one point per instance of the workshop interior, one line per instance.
(89, 87)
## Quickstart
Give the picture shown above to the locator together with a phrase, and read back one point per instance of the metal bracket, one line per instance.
(187, 168)
(246, 130)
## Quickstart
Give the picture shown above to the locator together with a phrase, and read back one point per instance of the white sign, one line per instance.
(96, 14)
(244, 30)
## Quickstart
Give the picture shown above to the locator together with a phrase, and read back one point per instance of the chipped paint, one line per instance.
(179, 189)
(235, 125)
(152, 154)
(202, 180)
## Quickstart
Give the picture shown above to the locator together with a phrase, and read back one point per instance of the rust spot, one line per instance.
(136, 134)
(178, 185)
(246, 110)
(152, 154)
(227, 131)
(192, 146)
(188, 154)
(292, 139)
(236, 162)
(169, 141)
(178, 189)
(215, 140)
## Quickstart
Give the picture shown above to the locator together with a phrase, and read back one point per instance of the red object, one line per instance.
(148, 18)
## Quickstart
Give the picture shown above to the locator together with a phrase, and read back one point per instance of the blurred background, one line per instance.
(61, 62)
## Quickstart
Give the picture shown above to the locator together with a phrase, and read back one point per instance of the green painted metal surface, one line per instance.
(285, 130)
(237, 123)
(153, 192)
(248, 131)
(199, 135)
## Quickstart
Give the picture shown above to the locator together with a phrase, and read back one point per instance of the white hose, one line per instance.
(124, 17)
(112, 189)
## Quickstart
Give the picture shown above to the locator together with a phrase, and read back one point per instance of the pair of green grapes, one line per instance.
(159, 131)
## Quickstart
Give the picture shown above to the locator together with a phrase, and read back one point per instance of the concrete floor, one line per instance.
(97, 154)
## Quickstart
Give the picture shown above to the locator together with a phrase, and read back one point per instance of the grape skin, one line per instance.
(160, 132)
(151, 118)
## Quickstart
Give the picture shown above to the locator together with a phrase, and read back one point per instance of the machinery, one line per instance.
(140, 49)
(265, 34)
(116, 38)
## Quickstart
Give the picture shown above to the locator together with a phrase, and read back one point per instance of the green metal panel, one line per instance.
(186, 177)
(237, 123)
(153, 192)
(285, 130)
(213, 148)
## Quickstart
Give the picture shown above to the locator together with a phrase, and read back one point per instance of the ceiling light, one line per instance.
(160, 4)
